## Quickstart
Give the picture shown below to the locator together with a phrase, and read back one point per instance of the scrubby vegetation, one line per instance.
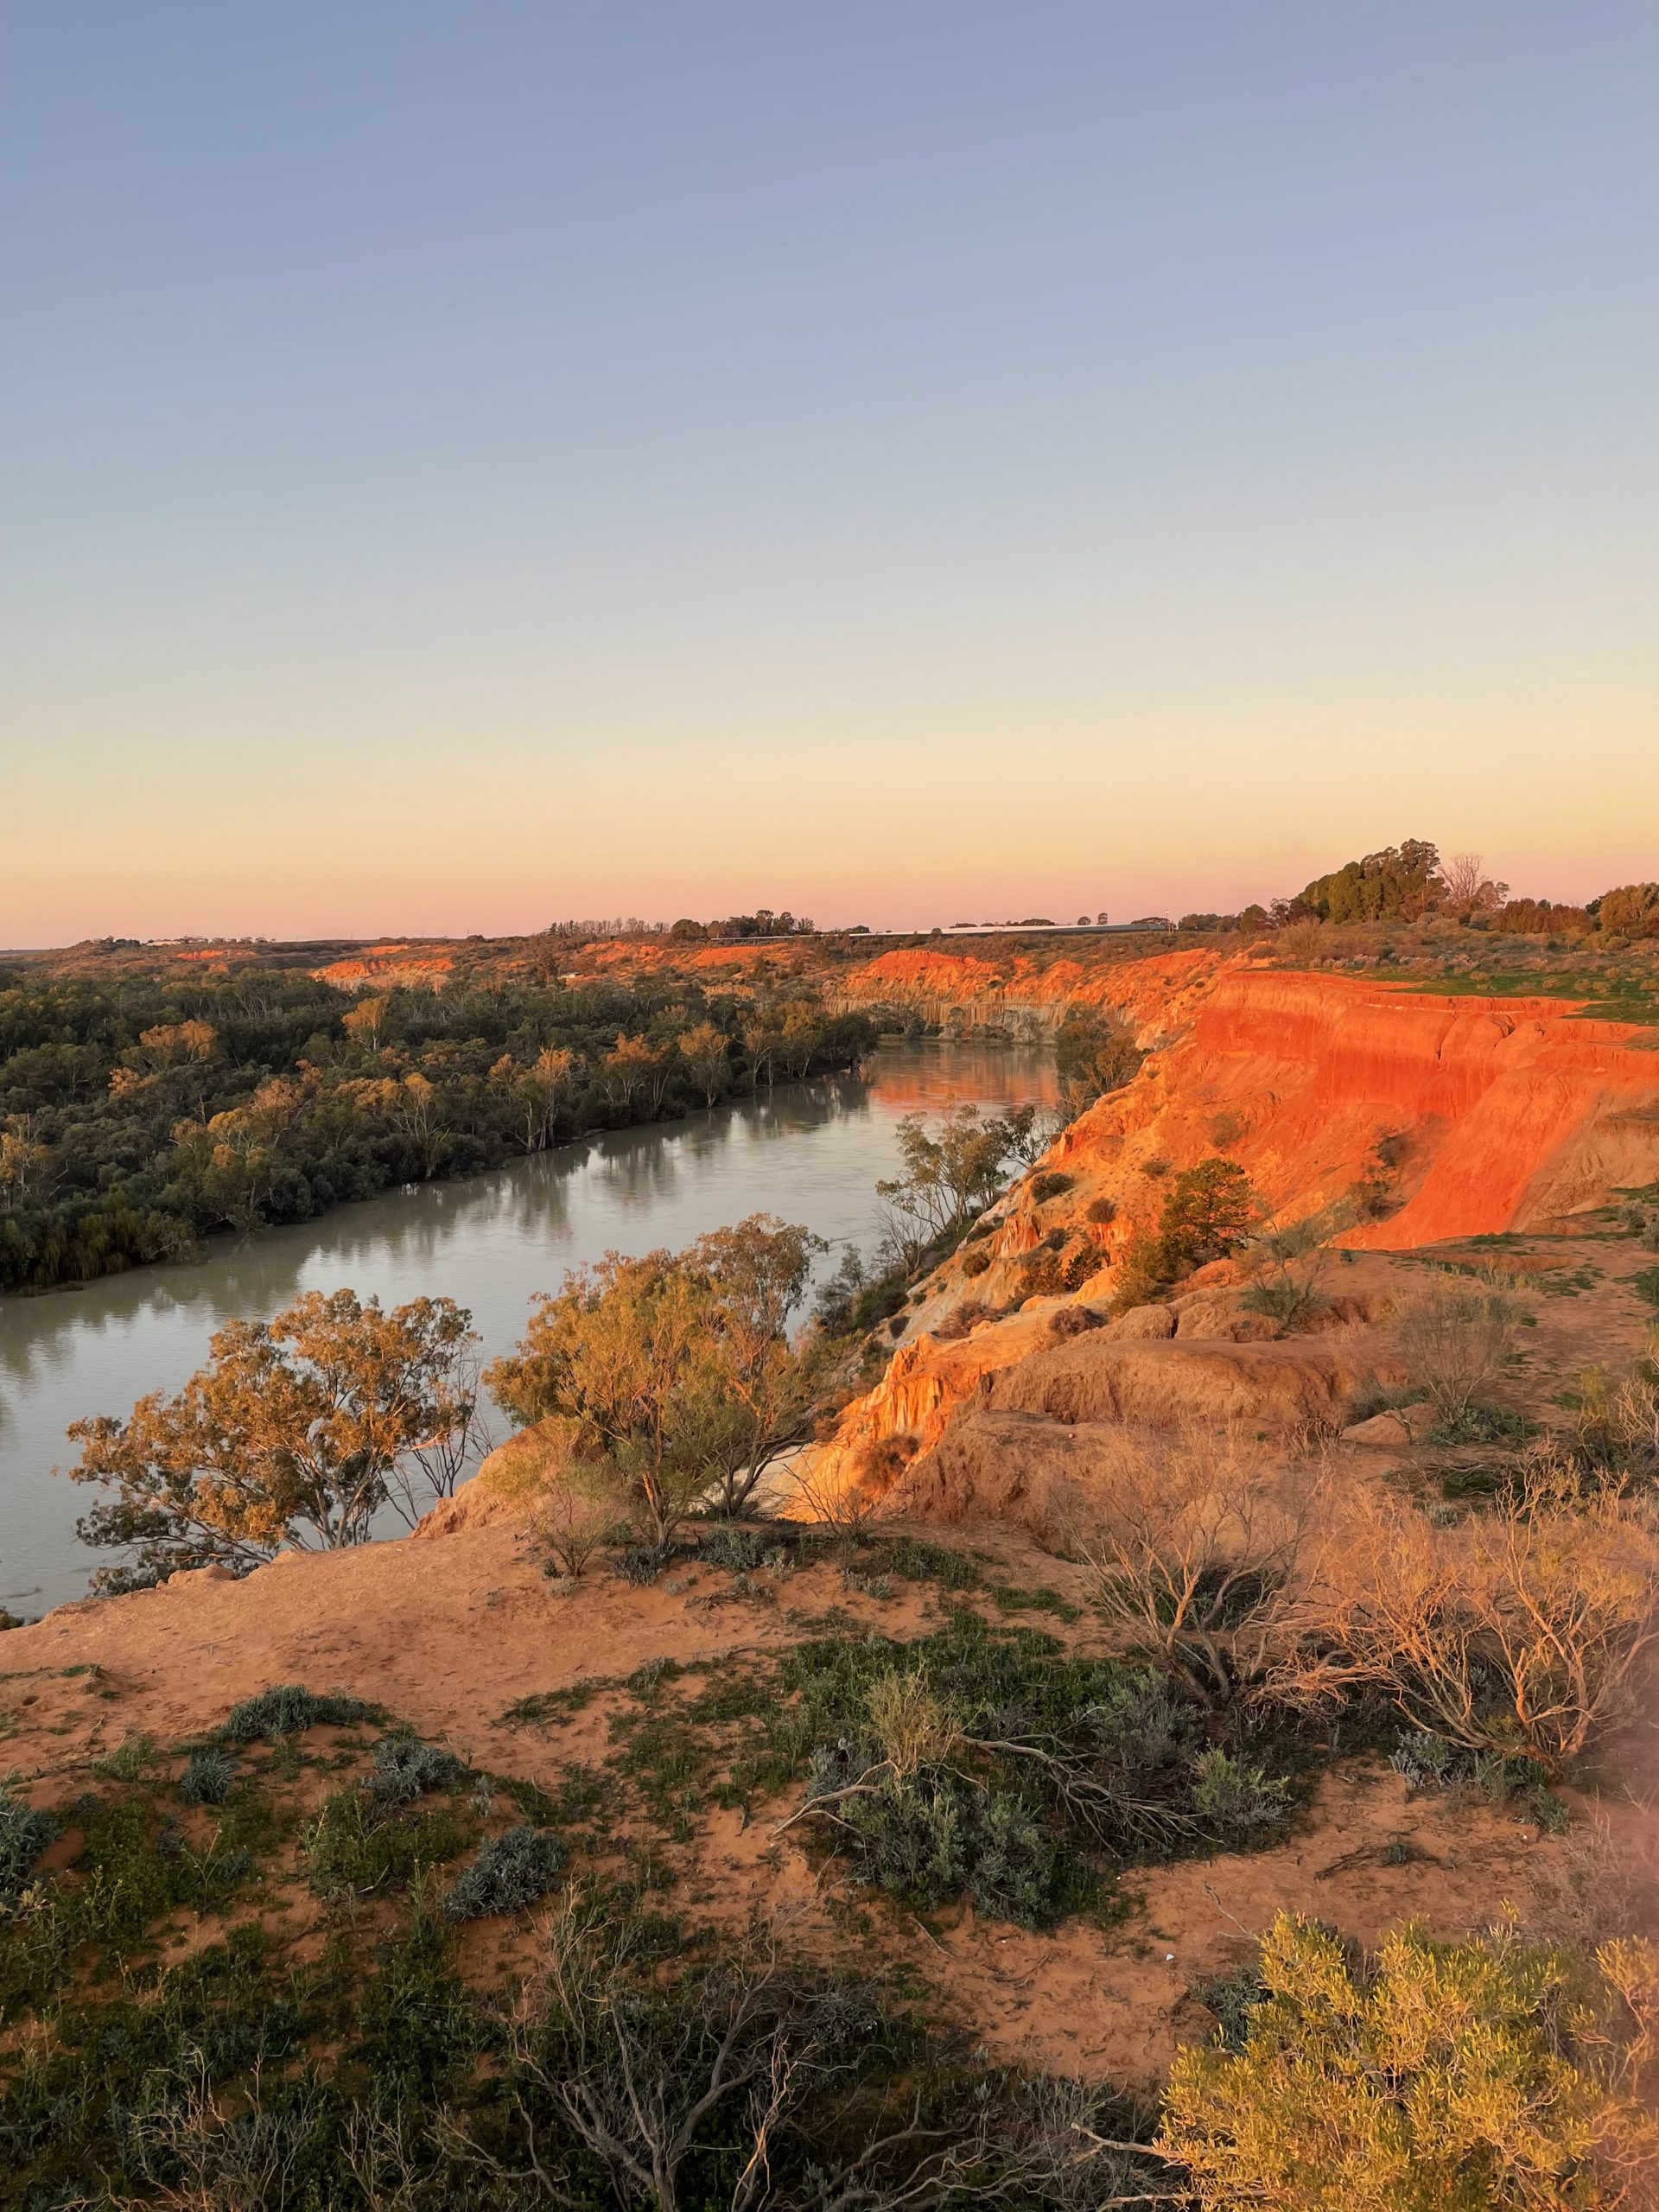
(1437, 2077)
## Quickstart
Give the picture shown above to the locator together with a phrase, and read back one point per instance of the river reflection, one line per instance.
(810, 1151)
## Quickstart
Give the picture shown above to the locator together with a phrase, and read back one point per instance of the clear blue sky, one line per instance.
(464, 464)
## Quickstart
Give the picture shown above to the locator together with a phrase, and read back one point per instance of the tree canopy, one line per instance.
(297, 1432)
(676, 1368)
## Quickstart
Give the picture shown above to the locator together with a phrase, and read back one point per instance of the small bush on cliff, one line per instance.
(1208, 1211)
(1437, 2077)
(975, 1263)
(1049, 1186)
(1095, 1053)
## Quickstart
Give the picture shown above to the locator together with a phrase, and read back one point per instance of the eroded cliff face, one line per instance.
(1028, 995)
(1421, 1118)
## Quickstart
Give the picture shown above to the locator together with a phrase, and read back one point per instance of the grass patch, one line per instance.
(359, 1846)
(289, 1709)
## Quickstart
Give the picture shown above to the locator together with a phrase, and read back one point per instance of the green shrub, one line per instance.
(127, 1760)
(738, 1550)
(1101, 1210)
(405, 1768)
(358, 1846)
(1049, 1185)
(24, 1834)
(511, 1870)
(208, 1778)
(1233, 1800)
(929, 1836)
(1440, 2077)
(1646, 1284)
(975, 1263)
(1480, 1423)
(289, 1709)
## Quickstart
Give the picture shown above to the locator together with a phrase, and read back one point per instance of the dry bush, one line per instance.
(911, 1722)
(1599, 1882)
(1201, 1545)
(1073, 1321)
(1453, 1336)
(963, 1320)
(1616, 1420)
(216, 2151)
(1518, 1630)
(852, 1501)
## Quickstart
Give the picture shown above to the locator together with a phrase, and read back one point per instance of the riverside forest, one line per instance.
(141, 1112)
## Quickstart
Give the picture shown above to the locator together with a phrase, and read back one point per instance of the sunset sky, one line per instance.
(464, 464)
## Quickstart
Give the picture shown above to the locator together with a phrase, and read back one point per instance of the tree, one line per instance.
(1439, 2077)
(707, 1061)
(1399, 883)
(24, 1164)
(1467, 892)
(541, 1090)
(1632, 911)
(757, 1275)
(678, 1369)
(1095, 1053)
(364, 1022)
(634, 1066)
(948, 1176)
(296, 1433)
(1210, 1210)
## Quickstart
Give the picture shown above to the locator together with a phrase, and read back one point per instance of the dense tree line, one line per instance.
(138, 1115)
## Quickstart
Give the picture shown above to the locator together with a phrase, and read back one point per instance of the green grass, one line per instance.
(1606, 997)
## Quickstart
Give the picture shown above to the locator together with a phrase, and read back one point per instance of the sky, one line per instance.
(908, 460)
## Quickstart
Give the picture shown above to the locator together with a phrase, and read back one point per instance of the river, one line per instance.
(810, 1151)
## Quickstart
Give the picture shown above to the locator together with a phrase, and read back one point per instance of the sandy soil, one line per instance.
(447, 1633)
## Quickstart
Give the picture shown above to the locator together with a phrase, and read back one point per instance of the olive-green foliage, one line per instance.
(24, 1834)
(288, 1710)
(405, 1767)
(208, 1778)
(1044, 1765)
(360, 1845)
(931, 1837)
(1439, 2077)
(512, 1870)
(1401, 882)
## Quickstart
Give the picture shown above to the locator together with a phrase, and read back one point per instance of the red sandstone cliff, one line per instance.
(1504, 1114)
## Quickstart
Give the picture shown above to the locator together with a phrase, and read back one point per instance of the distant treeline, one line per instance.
(140, 1114)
